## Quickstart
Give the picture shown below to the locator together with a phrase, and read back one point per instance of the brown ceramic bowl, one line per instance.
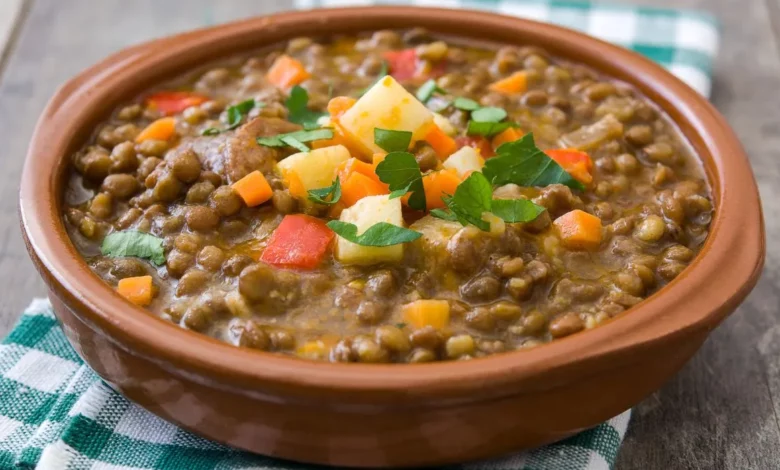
(381, 415)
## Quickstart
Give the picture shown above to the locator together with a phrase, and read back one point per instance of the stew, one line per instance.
(389, 197)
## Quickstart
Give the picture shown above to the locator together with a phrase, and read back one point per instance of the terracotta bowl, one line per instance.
(382, 415)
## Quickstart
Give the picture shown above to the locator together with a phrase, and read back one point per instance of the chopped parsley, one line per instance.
(136, 244)
(379, 234)
(329, 195)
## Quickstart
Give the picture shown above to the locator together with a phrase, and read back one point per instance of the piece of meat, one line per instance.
(234, 154)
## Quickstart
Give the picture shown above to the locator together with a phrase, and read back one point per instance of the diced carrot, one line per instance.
(515, 83)
(294, 184)
(579, 230)
(478, 142)
(354, 165)
(174, 102)
(339, 105)
(508, 135)
(286, 72)
(137, 290)
(427, 312)
(161, 129)
(437, 184)
(577, 163)
(253, 189)
(443, 144)
(356, 186)
(300, 241)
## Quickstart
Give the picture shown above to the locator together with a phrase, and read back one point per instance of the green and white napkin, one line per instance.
(56, 414)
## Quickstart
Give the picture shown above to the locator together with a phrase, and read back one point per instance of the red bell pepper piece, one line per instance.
(478, 142)
(300, 241)
(578, 164)
(174, 102)
(403, 65)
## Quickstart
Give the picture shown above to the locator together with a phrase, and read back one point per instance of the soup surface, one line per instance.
(391, 197)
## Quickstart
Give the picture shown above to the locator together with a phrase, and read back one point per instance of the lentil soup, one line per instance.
(391, 197)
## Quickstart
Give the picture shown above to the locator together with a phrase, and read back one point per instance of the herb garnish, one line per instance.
(515, 210)
(521, 162)
(132, 243)
(401, 172)
(298, 109)
(488, 114)
(465, 104)
(474, 196)
(392, 141)
(235, 114)
(488, 129)
(300, 136)
(333, 192)
(427, 89)
(294, 143)
(379, 234)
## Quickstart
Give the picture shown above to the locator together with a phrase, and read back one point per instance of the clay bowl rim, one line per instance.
(707, 291)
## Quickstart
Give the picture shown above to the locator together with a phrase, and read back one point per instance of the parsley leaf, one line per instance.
(521, 162)
(298, 108)
(401, 172)
(488, 129)
(237, 112)
(465, 104)
(515, 210)
(300, 136)
(392, 141)
(333, 191)
(380, 234)
(427, 89)
(132, 243)
(474, 196)
(401, 325)
(294, 143)
(444, 215)
(488, 114)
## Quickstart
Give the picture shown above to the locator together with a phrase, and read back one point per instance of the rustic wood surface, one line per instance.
(721, 411)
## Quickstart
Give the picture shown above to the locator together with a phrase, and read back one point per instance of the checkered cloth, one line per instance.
(56, 414)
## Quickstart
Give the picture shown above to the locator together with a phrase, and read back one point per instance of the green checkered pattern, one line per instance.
(683, 41)
(56, 414)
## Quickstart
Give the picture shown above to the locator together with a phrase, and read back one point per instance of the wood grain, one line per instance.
(721, 411)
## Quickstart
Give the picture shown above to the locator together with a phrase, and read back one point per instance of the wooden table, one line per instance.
(721, 411)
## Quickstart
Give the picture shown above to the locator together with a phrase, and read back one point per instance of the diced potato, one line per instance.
(427, 312)
(365, 213)
(444, 124)
(387, 105)
(589, 137)
(317, 168)
(464, 161)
